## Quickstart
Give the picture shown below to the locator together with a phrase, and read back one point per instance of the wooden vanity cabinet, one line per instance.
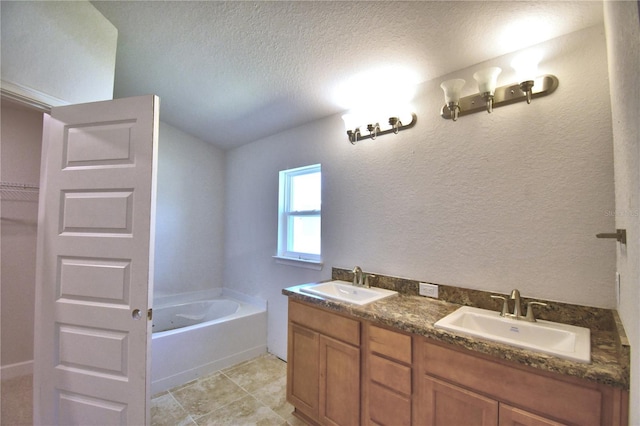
(408, 379)
(323, 368)
(459, 387)
(387, 384)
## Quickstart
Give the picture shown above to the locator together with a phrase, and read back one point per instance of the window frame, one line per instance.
(285, 216)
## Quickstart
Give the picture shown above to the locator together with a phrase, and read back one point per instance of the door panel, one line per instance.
(95, 263)
(444, 404)
(339, 402)
(302, 374)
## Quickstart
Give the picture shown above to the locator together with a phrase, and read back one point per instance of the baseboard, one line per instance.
(16, 370)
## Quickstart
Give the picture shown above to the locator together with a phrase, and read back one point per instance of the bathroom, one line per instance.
(491, 202)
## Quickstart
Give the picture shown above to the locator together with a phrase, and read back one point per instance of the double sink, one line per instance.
(562, 340)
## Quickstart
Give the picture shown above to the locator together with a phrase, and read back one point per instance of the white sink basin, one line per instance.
(562, 340)
(346, 292)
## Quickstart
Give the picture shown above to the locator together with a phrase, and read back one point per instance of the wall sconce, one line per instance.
(491, 97)
(353, 123)
(452, 90)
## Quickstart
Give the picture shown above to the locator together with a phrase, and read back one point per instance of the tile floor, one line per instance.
(250, 393)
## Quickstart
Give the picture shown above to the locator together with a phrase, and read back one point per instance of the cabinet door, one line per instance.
(511, 416)
(339, 383)
(443, 404)
(302, 366)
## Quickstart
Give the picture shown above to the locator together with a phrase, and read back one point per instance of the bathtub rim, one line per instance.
(162, 300)
(244, 309)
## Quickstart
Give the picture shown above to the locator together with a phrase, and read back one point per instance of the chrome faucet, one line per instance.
(357, 276)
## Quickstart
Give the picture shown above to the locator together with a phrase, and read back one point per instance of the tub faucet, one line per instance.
(517, 310)
(357, 276)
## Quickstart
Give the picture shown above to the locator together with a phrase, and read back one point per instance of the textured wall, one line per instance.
(20, 146)
(189, 215)
(622, 21)
(493, 202)
(63, 49)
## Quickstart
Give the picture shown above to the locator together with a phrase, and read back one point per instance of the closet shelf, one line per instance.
(15, 191)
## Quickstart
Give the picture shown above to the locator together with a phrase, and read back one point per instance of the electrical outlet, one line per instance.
(429, 290)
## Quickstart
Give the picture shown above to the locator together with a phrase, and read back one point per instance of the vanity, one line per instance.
(384, 363)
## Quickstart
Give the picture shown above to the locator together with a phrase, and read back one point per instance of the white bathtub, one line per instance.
(203, 336)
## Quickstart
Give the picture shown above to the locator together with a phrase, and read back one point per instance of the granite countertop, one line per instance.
(416, 314)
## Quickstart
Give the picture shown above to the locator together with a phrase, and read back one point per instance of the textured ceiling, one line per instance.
(234, 72)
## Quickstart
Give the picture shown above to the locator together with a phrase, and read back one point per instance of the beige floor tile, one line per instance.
(165, 411)
(16, 401)
(274, 396)
(259, 373)
(208, 394)
(246, 411)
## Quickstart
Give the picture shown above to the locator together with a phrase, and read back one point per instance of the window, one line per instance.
(299, 214)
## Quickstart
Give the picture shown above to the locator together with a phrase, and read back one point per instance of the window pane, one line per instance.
(306, 192)
(305, 235)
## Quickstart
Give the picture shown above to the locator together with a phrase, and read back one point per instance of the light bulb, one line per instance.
(526, 68)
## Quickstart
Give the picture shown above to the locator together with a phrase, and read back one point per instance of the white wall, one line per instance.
(622, 21)
(64, 50)
(189, 219)
(20, 145)
(493, 202)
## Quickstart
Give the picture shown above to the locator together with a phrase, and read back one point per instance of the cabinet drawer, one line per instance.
(529, 390)
(393, 375)
(327, 323)
(388, 408)
(389, 343)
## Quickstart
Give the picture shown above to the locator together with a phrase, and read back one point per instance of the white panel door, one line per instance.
(95, 263)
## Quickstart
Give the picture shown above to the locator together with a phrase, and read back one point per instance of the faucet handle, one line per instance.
(366, 280)
(530, 316)
(505, 304)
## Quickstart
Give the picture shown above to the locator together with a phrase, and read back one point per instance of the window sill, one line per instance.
(300, 263)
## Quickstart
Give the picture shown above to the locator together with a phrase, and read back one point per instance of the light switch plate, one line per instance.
(429, 290)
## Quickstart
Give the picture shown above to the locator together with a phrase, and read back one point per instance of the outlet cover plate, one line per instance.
(429, 290)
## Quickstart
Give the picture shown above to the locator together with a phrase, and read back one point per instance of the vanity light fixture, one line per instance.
(353, 125)
(491, 97)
